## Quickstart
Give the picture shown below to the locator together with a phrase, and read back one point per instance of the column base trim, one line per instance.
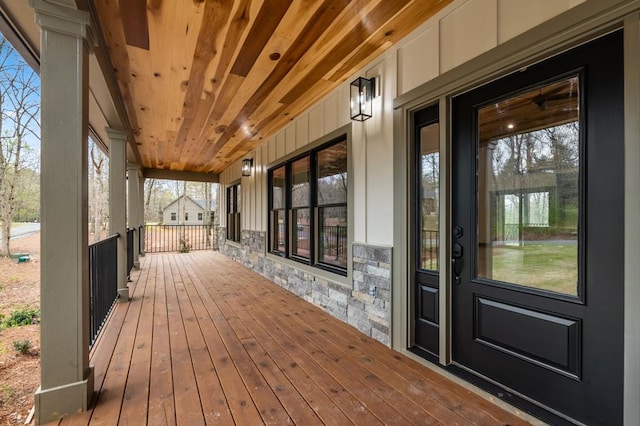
(61, 401)
(123, 295)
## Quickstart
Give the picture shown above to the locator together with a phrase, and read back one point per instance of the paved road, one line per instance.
(23, 230)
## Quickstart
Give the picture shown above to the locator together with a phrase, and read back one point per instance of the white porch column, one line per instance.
(133, 201)
(117, 203)
(141, 221)
(66, 377)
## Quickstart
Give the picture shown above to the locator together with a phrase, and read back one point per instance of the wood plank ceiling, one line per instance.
(206, 81)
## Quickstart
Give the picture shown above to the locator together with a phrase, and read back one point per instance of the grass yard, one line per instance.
(544, 266)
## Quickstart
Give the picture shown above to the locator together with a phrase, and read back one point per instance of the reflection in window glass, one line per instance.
(300, 197)
(332, 174)
(308, 208)
(277, 220)
(429, 196)
(277, 185)
(332, 203)
(277, 231)
(233, 213)
(332, 244)
(301, 233)
(528, 188)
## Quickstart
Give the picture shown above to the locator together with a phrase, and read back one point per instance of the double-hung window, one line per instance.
(233, 212)
(308, 207)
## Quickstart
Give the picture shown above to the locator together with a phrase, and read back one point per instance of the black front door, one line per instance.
(537, 244)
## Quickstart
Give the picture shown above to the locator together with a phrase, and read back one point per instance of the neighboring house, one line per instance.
(185, 211)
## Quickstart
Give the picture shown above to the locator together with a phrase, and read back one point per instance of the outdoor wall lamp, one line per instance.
(362, 93)
(247, 165)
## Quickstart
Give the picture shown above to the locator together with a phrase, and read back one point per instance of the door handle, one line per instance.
(456, 262)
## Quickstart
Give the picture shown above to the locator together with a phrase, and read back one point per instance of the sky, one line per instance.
(7, 70)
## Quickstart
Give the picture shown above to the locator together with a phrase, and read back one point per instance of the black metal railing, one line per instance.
(430, 249)
(140, 239)
(103, 282)
(333, 244)
(130, 239)
(181, 238)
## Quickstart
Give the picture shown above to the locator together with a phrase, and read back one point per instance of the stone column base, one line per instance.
(55, 403)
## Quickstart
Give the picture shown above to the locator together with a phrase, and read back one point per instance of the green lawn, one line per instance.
(544, 266)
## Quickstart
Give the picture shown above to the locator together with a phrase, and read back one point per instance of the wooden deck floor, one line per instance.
(206, 341)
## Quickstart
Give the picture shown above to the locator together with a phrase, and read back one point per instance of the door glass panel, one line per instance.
(528, 188)
(429, 196)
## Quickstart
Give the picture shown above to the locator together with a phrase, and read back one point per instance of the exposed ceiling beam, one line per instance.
(178, 175)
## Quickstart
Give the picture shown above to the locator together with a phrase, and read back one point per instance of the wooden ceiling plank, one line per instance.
(235, 92)
(134, 21)
(162, 15)
(203, 127)
(185, 91)
(108, 12)
(183, 40)
(142, 94)
(384, 11)
(264, 26)
(215, 17)
(270, 121)
(238, 92)
(386, 35)
(351, 16)
(321, 20)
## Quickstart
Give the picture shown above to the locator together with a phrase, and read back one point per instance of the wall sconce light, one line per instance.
(247, 165)
(362, 92)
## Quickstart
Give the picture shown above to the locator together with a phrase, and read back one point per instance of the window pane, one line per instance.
(528, 188)
(277, 231)
(300, 183)
(278, 187)
(429, 196)
(332, 174)
(230, 200)
(332, 235)
(238, 204)
(301, 233)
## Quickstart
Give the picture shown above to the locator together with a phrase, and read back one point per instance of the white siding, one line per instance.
(178, 208)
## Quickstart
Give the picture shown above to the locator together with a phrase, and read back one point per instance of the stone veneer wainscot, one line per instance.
(366, 305)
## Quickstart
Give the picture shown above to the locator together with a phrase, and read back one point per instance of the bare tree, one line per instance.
(98, 186)
(20, 109)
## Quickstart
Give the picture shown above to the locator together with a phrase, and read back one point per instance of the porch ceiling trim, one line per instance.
(180, 175)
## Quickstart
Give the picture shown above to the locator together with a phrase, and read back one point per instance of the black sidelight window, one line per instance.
(233, 212)
(308, 207)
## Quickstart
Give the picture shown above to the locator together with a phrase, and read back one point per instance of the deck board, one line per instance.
(206, 341)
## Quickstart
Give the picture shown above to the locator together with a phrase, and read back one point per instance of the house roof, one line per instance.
(199, 203)
(198, 84)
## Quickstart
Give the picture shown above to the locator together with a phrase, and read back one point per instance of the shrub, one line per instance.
(23, 316)
(22, 346)
(185, 245)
